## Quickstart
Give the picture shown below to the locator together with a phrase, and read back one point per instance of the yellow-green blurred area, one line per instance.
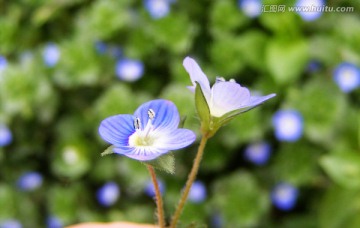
(66, 65)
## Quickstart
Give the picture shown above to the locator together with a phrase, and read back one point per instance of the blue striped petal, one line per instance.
(175, 140)
(117, 129)
(166, 114)
(141, 153)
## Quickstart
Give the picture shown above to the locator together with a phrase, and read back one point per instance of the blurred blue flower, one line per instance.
(115, 51)
(108, 194)
(129, 70)
(224, 96)
(51, 54)
(29, 181)
(100, 47)
(313, 66)
(258, 153)
(288, 125)
(3, 63)
(11, 223)
(5, 135)
(197, 192)
(284, 196)
(54, 222)
(311, 9)
(217, 221)
(251, 8)
(157, 8)
(151, 132)
(347, 76)
(150, 189)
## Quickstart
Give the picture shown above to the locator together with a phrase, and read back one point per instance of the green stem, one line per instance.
(159, 203)
(190, 180)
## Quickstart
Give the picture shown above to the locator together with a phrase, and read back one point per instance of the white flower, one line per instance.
(224, 96)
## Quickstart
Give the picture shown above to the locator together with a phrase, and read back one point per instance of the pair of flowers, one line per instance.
(153, 129)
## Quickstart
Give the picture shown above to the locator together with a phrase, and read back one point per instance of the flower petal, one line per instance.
(140, 153)
(175, 140)
(117, 129)
(255, 101)
(196, 75)
(166, 114)
(226, 97)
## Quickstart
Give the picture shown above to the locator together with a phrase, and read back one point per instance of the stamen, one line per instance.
(220, 79)
(137, 124)
(232, 80)
(151, 114)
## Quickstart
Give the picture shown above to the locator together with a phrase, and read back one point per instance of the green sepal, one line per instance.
(226, 118)
(202, 108)
(108, 151)
(164, 163)
(182, 121)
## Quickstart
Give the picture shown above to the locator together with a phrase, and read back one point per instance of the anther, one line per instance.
(220, 79)
(137, 123)
(232, 80)
(151, 114)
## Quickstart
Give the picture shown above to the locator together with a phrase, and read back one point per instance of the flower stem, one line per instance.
(159, 203)
(189, 182)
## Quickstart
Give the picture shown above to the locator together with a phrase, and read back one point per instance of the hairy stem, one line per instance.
(159, 203)
(189, 182)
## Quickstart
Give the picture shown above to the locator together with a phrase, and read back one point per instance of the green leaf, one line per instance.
(286, 60)
(343, 168)
(240, 200)
(296, 163)
(202, 108)
(164, 163)
(108, 151)
(338, 208)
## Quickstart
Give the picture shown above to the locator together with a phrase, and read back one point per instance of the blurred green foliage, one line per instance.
(54, 112)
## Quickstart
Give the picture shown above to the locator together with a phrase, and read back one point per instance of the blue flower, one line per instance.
(288, 125)
(347, 76)
(310, 10)
(313, 66)
(258, 153)
(157, 8)
(51, 54)
(197, 192)
(129, 70)
(100, 47)
(54, 222)
(3, 63)
(224, 96)
(151, 132)
(30, 181)
(217, 220)
(108, 194)
(11, 223)
(251, 8)
(284, 196)
(5, 135)
(150, 189)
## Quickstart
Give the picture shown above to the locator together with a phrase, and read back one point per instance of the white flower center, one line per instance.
(143, 138)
